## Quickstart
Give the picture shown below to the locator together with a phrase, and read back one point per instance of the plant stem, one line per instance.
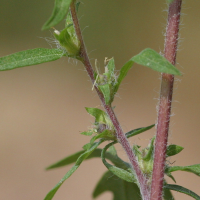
(166, 91)
(119, 132)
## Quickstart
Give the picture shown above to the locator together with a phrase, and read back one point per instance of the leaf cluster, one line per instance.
(120, 177)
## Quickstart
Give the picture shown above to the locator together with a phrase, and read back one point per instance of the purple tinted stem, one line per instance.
(119, 132)
(166, 91)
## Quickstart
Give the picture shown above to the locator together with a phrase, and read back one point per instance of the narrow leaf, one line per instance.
(51, 194)
(61, 8)
(155, 61)
(138, 131)
(94, 138)
(111, 66)
(119, 172)
(149, 154)
(99, 115)
(106, 134)
(167, 195)
(77, 6)
(110, 155)
(113, 157)
(69, 160)
(80, 159)
(181, 189)
(122, 74)
(169, 175)
(112, 150)
(195, 169)
(87, 146)
(121, 189)
(88, 133)
(72, 158)
(173, 150)
(105, 89)
(29, 57)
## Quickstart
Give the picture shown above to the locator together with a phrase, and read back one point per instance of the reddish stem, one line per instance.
(166, 91)
(119, 132)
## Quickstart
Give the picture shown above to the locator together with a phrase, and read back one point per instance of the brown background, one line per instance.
(42, 107)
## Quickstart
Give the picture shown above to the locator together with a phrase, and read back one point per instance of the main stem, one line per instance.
(119, 132)
(166, 91)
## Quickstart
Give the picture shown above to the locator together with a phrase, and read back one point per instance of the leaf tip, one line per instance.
(44, 28)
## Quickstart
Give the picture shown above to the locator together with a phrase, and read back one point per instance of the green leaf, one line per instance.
(72, 158)
(80, 159)
(137, 151)
(111, 66)
(155, 61)
(167, 195)
(77, 6)
(149, 154)
(29, 57)
(169, 175)
(68, 42)
(99, 115)
(120, 169)
(173, 150)
(95, 138)
(119, 172)
(87, 146)
(61, 8)
(67, 38)
(113, 157)
(181, 189)
(110, 155)
(69, 160)
(106, 134)
(88, 133)
(122, 74)
(138, 131)
(121, 189)
(112, 150)
(105, 89)
(195, 169)
(51, 194)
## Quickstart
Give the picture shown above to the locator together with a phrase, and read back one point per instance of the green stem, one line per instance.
(166, 91)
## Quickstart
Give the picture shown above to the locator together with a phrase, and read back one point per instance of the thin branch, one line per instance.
(166, 91)
(119, 132)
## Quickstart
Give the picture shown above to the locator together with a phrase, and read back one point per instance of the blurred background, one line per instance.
(42, 107)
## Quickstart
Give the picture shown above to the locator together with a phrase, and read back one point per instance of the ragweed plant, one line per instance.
(143, 176)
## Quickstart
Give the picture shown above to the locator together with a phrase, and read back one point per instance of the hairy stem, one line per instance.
(166, 91)
(119, 132)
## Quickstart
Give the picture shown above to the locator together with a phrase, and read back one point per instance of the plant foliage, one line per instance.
(120, 178)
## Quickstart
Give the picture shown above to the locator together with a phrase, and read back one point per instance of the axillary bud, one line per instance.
(69, 42)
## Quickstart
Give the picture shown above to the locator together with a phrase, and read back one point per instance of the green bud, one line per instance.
(148, 166)
(106, 82)
(68, 42)
(145, 158)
